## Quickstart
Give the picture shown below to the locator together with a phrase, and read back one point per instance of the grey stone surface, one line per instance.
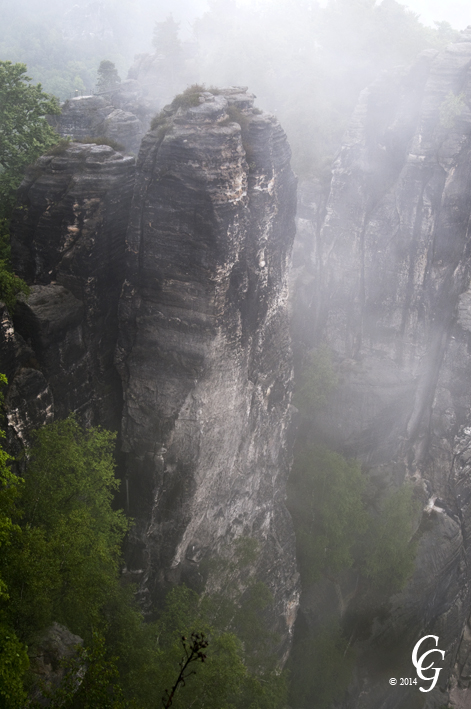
(98, 117)
(28, 397)
(68, 236)
(204, 349)
(55, 646)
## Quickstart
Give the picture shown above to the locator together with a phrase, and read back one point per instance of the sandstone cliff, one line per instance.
(388, 289)
(85, 117)
(204, 351)
(68, 236)
(204, 360)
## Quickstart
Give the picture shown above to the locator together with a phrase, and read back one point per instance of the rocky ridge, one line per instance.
(111, 116)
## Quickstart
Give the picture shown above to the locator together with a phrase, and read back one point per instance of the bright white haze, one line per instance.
(456, 12)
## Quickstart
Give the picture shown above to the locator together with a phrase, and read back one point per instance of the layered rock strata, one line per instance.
(204, 349)
(392, 297)
(100, 116)
(68, 235)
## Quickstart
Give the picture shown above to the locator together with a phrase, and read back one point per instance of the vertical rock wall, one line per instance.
(204, 349)
(68, 235)
(393, 277)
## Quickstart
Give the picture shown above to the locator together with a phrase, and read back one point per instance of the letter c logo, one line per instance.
(419, 662)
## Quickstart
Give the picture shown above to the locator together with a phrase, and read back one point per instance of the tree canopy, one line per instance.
(108, 77)
(24, 132)
(24, 136)
(60, 542)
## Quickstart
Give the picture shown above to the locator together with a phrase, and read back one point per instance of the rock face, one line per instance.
(391, 295)
(53, 649)
(68, 238)
(204, 350)
(98, 117)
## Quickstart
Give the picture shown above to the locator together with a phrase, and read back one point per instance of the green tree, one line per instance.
(64, 558)
(108, 78)
(316, 381)
(391, 548)
(60, 540)
(24, 132)
(226, 679)
(320, 667)
(24, 136)
(325, 498)
(13, 657)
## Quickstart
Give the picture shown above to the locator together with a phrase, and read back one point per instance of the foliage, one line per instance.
(61, 563)
(159, 120)
(193, 653)
(325, 499)
(103, 140)
(316, 381)
(64, 554)
(60, 147)
(11, 286)
(320, 668)
(24, 131)
(333, 527)
(107, 77)
(390, 550)
(227, 679)
(90, 681)
(451, 108)
(188, 98)
(13, 664)
(13, 657)
(24, 135)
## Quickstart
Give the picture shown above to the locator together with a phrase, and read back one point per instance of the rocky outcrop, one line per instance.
(55, 654)
(390, 294)
(97, 117)
(204, 350)
(28, 400)
(68, 236)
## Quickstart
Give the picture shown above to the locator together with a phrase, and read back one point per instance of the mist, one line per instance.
(359, 402)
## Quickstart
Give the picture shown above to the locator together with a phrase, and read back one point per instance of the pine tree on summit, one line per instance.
(108, 78)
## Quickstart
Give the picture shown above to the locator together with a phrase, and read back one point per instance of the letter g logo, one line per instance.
(419, 662)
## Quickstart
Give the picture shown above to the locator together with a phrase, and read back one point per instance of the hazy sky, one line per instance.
(456, 12)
